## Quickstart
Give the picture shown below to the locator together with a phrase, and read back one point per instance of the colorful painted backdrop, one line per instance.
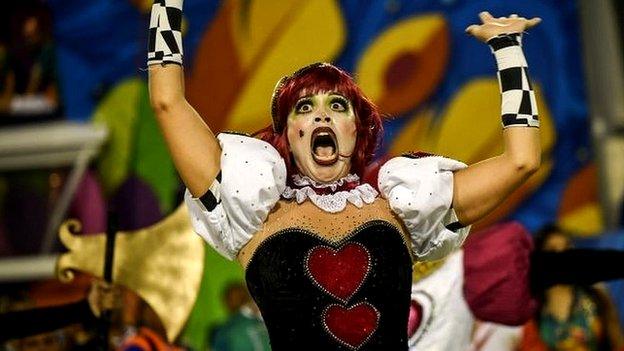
(436, 84)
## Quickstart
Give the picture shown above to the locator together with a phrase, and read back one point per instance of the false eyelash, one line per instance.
(341, 100)
(302, 102)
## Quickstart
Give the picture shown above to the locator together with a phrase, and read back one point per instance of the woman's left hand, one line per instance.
(492, 26)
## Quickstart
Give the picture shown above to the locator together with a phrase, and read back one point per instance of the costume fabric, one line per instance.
(332, 197)
(338, 289)
(443, 316)
(253, 176)
(487, 280)
(420, 192)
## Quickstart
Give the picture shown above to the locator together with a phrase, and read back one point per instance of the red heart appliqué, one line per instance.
(352, 326)
(420, 315)
(415, 318)
(341, 272)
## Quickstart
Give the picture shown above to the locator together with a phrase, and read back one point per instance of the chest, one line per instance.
(338, 281)
(351, 294)
(333, 228)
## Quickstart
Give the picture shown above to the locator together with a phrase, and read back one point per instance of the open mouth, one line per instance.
(324, 146)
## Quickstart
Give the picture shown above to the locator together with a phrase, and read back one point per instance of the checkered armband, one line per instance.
(519, 107)
(165, 33)
(212, 197)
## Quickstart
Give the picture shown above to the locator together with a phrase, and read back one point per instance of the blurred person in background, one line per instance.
(42, 328)
(244, 329)
(571, 317)
(50, 341)
(148, 334)
(28, 71)
(479, 297)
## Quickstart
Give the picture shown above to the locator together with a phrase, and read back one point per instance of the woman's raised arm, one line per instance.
(481, 187)
(195, 150)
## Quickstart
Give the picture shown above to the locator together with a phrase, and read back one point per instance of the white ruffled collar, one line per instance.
(335, 201)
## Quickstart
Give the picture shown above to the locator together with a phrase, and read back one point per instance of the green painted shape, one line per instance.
(209, 309)
(118, 112)
(151, 160)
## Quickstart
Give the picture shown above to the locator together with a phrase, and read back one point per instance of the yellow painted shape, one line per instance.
(254, 31)
(409, 35)
(583, 221)
(307, 32)
(470, 128)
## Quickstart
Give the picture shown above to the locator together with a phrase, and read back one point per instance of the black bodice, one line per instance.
(318, 295)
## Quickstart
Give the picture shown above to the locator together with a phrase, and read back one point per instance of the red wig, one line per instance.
(317, 78)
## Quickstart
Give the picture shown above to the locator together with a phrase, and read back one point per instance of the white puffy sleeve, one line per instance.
(420, 192)
(252, 178)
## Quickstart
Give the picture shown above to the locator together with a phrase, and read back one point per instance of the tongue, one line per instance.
(324, 151)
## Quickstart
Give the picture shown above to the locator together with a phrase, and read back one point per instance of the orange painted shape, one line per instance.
(214, 81)
(579, 209)
(411, 77)
(405, 64)
(581, 189)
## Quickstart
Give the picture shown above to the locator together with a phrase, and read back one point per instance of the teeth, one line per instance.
(323, 133)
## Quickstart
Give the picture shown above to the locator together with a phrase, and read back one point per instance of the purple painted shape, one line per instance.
(496, 272)
(136, 205)
(89, 205)
(25, 217)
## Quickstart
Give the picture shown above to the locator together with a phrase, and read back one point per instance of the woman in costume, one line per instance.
(328, 256)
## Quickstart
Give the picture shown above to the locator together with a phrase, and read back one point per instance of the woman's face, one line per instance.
(322, 134)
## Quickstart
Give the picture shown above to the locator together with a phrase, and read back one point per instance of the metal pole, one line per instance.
(56, 218)
(109, 254)
(605, 88)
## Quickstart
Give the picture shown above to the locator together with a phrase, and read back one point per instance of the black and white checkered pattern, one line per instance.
(165, 33)
(519, 107)
(212, 197)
